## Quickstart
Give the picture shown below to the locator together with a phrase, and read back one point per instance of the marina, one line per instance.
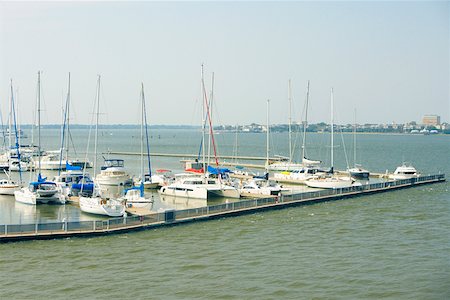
(141, 221)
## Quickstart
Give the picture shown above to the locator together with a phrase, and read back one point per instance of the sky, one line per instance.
(389, 61)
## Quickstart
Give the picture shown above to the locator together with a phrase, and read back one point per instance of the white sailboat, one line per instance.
(8, 186)
(331, 181)
(202, 187)
(40, 191)
(95, 203)
(148, 178)
(136, 195)
(287, 164)
(357, 171)
(308, 168)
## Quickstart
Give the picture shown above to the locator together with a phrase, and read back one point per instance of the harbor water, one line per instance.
(393, 245)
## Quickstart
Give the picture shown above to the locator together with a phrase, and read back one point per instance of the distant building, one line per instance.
(431, 120)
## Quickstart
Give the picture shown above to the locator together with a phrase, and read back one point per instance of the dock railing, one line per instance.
(171, 216)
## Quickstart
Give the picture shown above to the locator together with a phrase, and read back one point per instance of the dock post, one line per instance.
(36, 228)
(6, 229)
(93, 225)
(107, 225)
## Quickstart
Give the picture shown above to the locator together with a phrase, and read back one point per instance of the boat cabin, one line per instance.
(113, 163)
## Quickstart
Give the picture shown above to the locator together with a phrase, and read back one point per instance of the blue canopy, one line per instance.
(216, 171)
(72, 168)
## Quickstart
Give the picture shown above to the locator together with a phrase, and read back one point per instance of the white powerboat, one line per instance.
(8, 187)
(359, 173)
(113, 173)
(299, 176)
(404, 172)
(199, 187)
(260, 187)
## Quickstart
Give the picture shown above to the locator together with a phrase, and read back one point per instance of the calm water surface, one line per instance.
(394, 245)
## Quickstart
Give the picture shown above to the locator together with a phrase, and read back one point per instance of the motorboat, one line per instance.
(260, 187)
(200, 187)
(299, 176)
(284, 166)
(404, 171)
(113, 173)
(8, 187)
(51, 161)
(359, 173)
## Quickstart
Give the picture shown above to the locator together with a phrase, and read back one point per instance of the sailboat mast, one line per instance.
(332, 131)
(146, 134)
(210, 116)
(267, 135)
(290, 120)
(354, 139)
(305, 124)
(39, 119)
(96, 123)
(142, 131)
(204, 163)
(10, 119)
(68, 119)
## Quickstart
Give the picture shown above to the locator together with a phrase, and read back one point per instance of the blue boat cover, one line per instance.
(73, 168)
(216, 171)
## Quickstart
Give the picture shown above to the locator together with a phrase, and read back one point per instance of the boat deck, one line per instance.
(21, 232)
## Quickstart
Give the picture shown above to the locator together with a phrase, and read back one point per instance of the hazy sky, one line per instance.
(387, 60)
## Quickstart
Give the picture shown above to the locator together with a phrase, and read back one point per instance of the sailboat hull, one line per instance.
(99, 206)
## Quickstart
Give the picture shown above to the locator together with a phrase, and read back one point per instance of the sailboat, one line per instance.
(40, 191)
(73, 178)
(95, 203)
(135, 195)
(202, 186)
(357, 171)
(148, 181)
(309, 168)
(331, 181)
(8, 186)
(257, 187)
(287, 164)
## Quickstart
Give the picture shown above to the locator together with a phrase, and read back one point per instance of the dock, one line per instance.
(54, 230)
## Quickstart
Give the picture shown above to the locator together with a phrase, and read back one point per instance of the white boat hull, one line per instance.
(199, 192)
(331, 183)
(9, 189)
(99, 206)
(25, 196)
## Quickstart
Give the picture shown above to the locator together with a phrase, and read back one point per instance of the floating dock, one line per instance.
(54, 230)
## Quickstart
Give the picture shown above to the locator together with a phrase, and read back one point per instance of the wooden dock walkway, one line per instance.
(21, 232)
